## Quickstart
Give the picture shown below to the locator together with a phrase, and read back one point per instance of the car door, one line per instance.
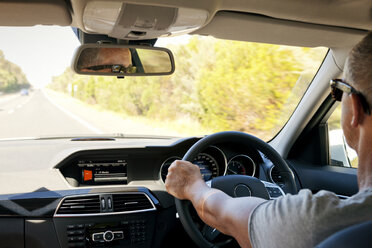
(320, 156)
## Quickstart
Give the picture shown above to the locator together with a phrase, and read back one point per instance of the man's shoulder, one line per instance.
(306, 214)
(321, 203)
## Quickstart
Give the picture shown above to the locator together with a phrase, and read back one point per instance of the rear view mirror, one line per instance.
(123, 60)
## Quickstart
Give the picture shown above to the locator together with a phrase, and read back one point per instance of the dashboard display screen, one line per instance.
(103, 172)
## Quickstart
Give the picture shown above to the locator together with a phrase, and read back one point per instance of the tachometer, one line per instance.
(236, 167)
(208, 166)
(241, 165)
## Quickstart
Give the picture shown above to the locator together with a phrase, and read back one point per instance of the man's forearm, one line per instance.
(231, 217)
(228, 215)
(205, 200)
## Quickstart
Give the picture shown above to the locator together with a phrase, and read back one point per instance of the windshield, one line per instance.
(218, 85)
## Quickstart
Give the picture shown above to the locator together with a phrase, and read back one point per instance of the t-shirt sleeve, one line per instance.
(289, 220)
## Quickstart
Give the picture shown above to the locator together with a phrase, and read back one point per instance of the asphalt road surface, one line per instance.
(45, 113)
(36, 115)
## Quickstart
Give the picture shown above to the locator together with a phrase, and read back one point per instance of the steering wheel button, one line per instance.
(242, 190)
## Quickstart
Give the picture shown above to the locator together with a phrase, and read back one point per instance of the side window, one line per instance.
(341, 154)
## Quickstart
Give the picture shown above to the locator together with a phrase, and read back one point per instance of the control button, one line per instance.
(87, 175)
(108, 236)
(71, 239)
(78, 244)
(118, 235)
(109, 202)
(71, 233)
(103, 203)
(79, 238)
(69, 227)
(274, 192)
(80, 226)
(97, 237)
(89, 225)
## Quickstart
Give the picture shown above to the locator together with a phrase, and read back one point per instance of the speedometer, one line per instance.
(166, 164)
(208, 166)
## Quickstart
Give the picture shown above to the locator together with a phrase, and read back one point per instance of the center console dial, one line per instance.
(108, 236)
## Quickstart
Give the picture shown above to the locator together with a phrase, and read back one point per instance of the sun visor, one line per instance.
(30, 13)
(264, 29)
(137, 22)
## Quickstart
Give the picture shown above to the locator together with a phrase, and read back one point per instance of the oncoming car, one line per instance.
(121, 89)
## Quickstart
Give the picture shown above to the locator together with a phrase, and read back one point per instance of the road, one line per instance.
(47, 113)
(34, 116)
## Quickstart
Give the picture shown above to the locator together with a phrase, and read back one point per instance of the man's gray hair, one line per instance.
(358, 67)
(88, 57)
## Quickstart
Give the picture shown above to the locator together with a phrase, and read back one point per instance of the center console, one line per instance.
(124, 219)
(133, 230)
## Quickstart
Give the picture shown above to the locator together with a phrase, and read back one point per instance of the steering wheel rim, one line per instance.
(182, 206)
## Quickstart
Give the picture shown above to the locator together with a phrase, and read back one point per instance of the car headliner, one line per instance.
(332, 23)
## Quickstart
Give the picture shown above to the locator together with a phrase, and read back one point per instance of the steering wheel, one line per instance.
(246, 185)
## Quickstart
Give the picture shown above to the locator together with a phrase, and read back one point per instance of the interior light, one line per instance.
(133, 21)
(101, 16)
(188, 20)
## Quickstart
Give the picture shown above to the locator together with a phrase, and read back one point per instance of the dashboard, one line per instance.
(110, 195)
(123, 167)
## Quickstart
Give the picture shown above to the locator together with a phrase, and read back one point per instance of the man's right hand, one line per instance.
(184, 180)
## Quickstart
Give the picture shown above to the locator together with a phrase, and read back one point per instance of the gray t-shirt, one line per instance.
(306, 219)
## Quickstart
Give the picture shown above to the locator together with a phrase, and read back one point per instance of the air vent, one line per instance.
(131, 202)
(276, 177)
(80, 205)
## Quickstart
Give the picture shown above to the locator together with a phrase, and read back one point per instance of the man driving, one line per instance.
(305, 219)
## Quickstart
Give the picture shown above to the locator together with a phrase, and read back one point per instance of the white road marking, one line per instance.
(19, 106)
(29, 98)
(75, 117)
(11, 111)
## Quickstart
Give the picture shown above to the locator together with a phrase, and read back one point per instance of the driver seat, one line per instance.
(359, 235)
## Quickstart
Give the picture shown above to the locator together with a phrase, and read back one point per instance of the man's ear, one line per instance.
(357, 110)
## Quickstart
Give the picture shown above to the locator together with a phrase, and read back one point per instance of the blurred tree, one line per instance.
(11, 76)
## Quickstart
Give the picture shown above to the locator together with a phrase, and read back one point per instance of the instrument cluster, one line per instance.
(213, 163)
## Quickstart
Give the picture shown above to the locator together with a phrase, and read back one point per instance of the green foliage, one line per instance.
(222, 85)
(11, 76)
(354, 163)
(334, 121)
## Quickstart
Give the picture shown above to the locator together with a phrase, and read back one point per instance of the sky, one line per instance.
(41, 51)
(46, 51)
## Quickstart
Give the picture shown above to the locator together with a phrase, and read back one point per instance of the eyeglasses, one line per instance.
(338, 86)
(113, 68)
